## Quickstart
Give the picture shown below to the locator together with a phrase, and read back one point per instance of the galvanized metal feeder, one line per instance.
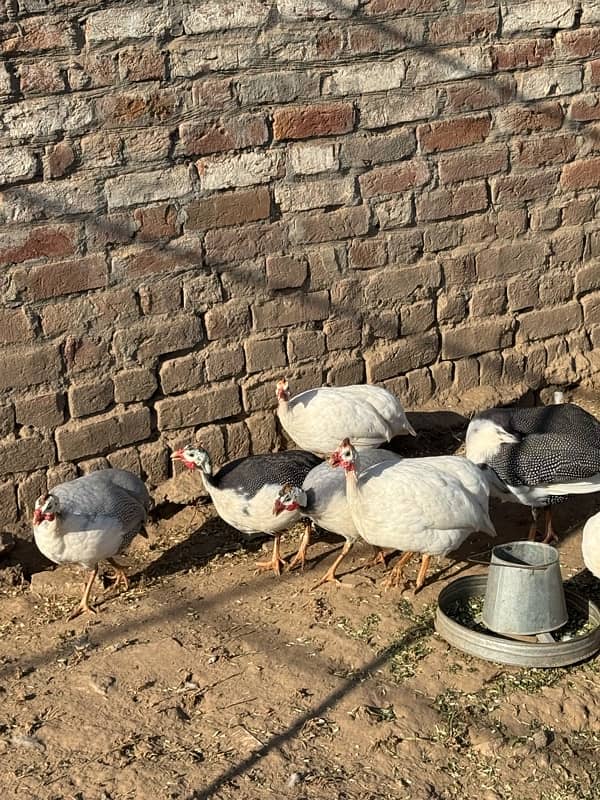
(524, 601)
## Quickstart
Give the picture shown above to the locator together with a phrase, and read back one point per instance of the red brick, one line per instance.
(63, 277)
(581, 174)
(581, 43)
(541, 152)
(36, 35)
(15, 327)
(92, 70)
(396, 178)
(41, 78)
(463, 27)
(585, 107)
(594, 72)
(367, 253)
(156, 222)
(59, 158)
(229, 208)
(473, 164)
(395, 35)
(141, 63)
(202, 138)
(329, 42)
(343, 224)
(120, 110)
(522, 53)
(46, 241)
(326, 119)
(531, 118)
(451, 133)
(223, 245)
(475, 95)
(511, 188)
(173, 256)
(441, 203)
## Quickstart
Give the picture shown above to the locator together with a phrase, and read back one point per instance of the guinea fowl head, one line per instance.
(283, 390)
(290, 498)
(345, 456)
(193, 457)
(46, 509)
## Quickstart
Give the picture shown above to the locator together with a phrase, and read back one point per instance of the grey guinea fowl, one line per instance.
(538, 456)
(91, 519)
(243, 490)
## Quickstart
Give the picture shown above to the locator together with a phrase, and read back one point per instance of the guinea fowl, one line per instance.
(318, 419)
(537, 456)
(322, 498)
(91, 519)
(242, 491)
(418, 505)
(590, 545)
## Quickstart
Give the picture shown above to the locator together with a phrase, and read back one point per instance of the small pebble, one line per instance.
(294, 779)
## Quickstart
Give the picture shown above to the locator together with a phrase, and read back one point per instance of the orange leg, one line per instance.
(549, 534)
(276, 561)
(120, 576)
(422, 572)
(393, 578)
(300, 557)
(379, 557)
(84, 605)
(330, 575)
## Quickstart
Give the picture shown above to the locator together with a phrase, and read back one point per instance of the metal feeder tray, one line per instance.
(494, 647)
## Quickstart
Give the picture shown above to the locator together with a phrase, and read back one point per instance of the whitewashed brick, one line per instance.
(590, 11)
(245, 169)
(276, 87)
(316, 194)
(148, 187)
(405, 107)
(46, 116)
(188, 61)
(449, 65)
(548, 81)
(5, 87)
(50, 200)
(220, 15)
(126, 23)
(310, 159)
(528, 16)
(16, 164)
(322, 9)
(366, 78)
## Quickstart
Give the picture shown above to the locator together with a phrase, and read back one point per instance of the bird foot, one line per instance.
(327, 578)
(117, 579)
(274, 564)
(81, 608)
(298, 560)
(377, 559)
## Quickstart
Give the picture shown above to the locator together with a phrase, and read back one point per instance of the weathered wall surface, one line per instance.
(200, 197)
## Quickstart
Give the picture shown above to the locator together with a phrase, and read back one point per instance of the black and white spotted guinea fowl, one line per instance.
(91, 519)
(322, 498)
(317, 419)
(243, 491)
(538, 456)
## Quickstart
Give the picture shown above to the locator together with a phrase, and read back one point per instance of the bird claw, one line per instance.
(297, 560)
(273, 564)
(81, 608)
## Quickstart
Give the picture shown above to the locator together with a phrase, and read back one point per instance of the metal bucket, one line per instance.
(524, 594)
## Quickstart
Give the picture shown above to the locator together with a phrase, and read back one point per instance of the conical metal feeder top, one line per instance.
(524, 593)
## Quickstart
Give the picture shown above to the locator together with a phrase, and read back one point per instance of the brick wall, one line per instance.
(200, 197)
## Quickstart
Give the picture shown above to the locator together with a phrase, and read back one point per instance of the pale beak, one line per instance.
(177, 455)
(409, 429)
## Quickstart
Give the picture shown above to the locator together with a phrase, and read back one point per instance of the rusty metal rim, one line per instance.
(493, 647)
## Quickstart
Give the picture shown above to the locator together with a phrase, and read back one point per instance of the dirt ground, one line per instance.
(206, 680)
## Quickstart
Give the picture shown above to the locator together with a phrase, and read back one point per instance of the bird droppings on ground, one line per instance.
(204, 680)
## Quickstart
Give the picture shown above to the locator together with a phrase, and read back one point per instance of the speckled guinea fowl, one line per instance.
(243, 490)
(538, 456)
(91, 519)
(318, 419)
(418, 505)
(322, 498)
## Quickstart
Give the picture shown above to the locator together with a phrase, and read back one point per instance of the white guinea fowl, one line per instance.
(243, 490)
(322, 498)
(318, 419)
(91, 519)
(418, 505)
(590, 545)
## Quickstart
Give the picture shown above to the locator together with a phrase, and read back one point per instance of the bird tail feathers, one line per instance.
(573, 487)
